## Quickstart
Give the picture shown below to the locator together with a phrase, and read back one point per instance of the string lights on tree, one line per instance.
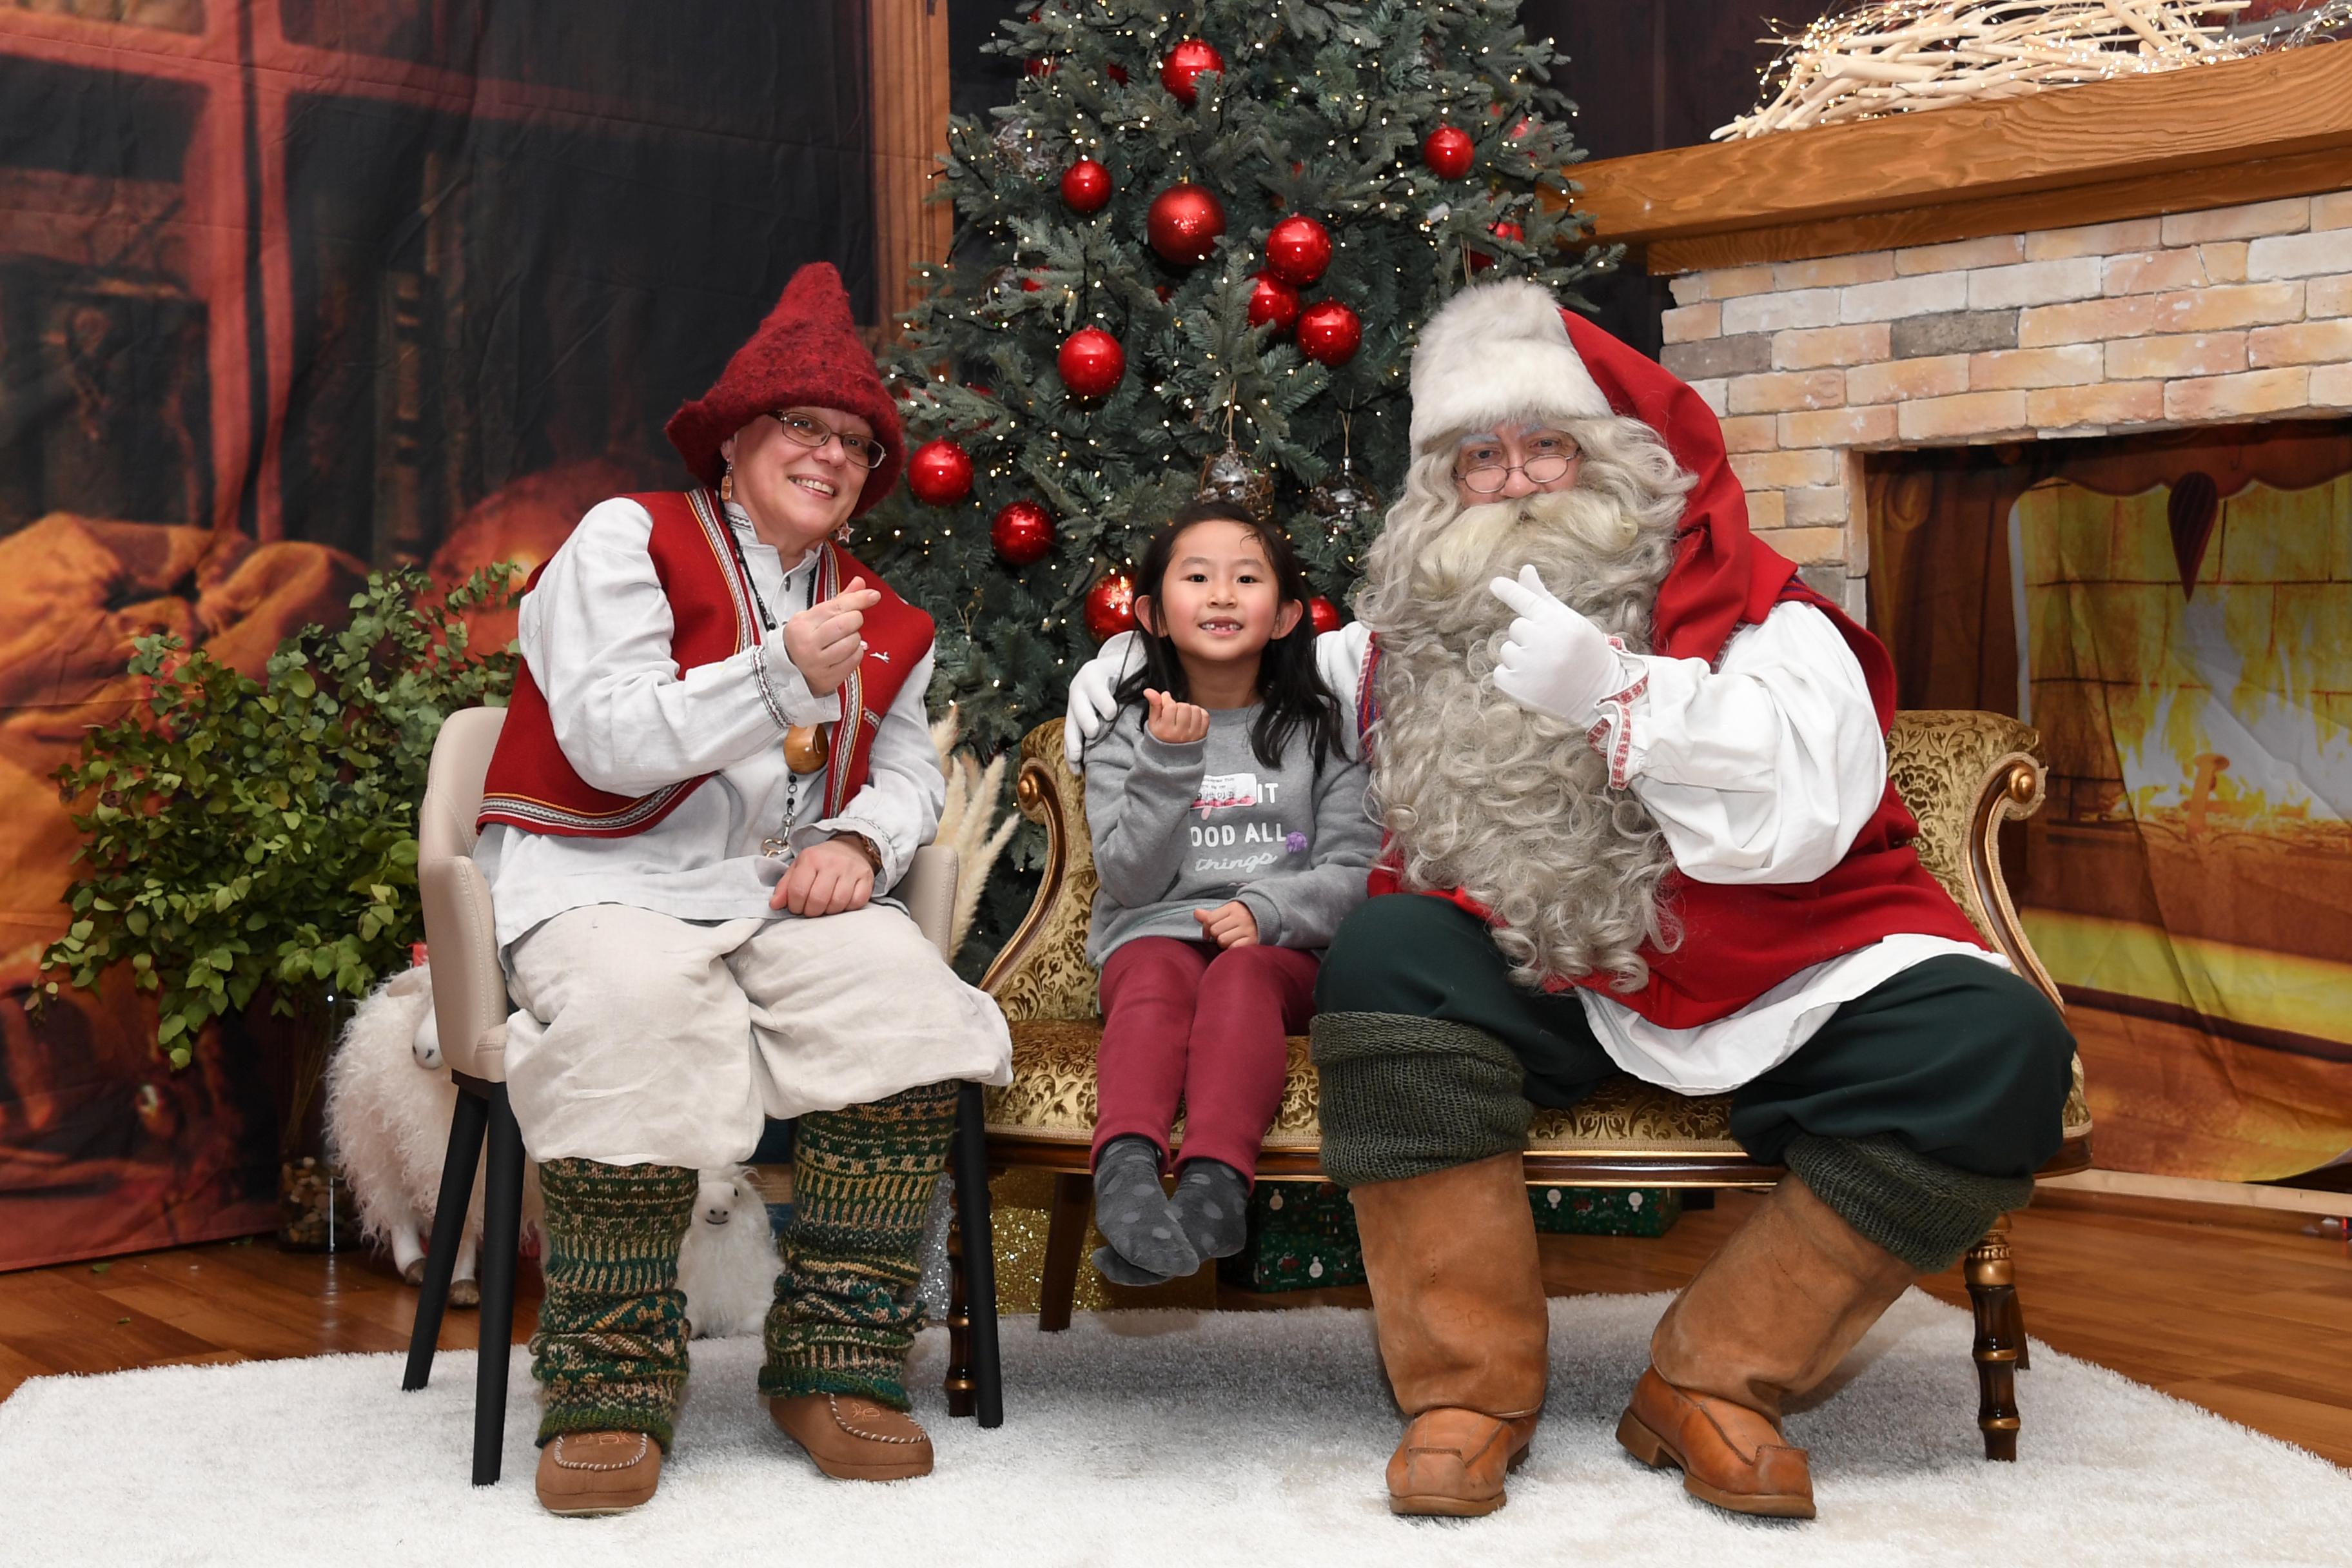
(1185, 257)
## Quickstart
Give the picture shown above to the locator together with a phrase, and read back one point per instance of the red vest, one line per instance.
(533, 787)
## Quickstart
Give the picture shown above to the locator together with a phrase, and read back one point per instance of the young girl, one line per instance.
(1227, 805)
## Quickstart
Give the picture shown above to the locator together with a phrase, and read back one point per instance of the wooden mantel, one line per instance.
(2254, 130)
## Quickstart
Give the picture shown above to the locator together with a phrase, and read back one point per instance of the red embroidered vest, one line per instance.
(533, 787)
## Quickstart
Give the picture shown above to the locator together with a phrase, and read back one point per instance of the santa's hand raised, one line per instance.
(1555, 661)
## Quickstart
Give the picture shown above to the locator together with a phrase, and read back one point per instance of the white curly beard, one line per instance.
(1512, 806)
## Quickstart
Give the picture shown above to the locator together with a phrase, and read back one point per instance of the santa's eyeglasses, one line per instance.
(1481, 468)
(804, 431)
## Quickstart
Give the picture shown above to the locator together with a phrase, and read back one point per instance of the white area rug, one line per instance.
(1153, 1437)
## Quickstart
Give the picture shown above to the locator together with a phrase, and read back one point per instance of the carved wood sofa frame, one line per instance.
(1963, 774)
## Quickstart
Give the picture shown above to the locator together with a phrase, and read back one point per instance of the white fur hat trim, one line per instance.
(1493, 350)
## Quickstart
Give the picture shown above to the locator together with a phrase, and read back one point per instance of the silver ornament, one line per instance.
(1229, 476)
(1020, 145)
(1344, 503)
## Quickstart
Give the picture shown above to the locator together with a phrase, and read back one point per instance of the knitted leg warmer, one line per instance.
(845, 1309)
(1403, 1097)
(1925, 1212)
(611, 1346)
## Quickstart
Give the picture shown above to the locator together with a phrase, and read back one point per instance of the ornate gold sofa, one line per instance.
(1962, 774)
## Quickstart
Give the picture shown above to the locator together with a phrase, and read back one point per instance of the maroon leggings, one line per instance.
(1185, 1018)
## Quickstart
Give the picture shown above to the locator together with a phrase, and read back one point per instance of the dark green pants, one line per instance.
(1957, 1061)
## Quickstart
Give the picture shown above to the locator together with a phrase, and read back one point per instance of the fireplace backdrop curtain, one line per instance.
(289, 289)
(2174, 614)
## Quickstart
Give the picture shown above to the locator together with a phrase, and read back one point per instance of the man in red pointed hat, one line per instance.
(1633, 775)
(716, 763)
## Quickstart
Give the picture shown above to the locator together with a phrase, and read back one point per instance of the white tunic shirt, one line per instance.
(595, 631)
(1762, 769)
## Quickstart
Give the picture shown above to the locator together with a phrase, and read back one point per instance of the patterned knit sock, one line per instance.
(611, 1346)
(1211, 1204)
(1134, 1215)
(846, 1302)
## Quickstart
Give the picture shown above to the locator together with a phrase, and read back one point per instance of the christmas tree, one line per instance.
(1196, 252)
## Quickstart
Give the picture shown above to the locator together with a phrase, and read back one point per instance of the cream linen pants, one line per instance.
(645, 1039)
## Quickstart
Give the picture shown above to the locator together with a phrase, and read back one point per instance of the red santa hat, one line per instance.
(806, 352)
(1507, 350)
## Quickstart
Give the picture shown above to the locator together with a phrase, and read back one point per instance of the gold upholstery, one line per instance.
(1961, 772)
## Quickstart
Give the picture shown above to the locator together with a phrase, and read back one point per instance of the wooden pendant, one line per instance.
(807, 747)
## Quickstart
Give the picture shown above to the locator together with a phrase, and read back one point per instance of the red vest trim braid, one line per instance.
(533, 787)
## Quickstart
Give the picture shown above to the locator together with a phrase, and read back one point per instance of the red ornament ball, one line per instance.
(1184, 223)
(1448, 151)
(1324, 613)
(1272, 300)
(1091, 362)
(1297, 249)
(1116, 73)
(1110, 605)
(1179, 72)
(1023, 532)
(939, 473)
(1329, 333)
(1505, 229)
(1085, 186)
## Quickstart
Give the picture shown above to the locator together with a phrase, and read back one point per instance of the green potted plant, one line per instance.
(251, 846)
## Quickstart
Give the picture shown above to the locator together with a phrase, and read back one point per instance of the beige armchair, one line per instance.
(470, 1008)
(1962, 774)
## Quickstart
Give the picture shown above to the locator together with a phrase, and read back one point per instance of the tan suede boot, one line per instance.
(1770, 1315)
(1458, 1299)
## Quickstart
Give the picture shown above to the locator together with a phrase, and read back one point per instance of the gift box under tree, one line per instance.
(1302, 1235)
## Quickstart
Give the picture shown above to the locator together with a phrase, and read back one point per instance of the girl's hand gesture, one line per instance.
(1172, 722)
(1228, 925)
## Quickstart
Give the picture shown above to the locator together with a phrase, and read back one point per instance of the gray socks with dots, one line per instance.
(1148, 1245)
(1211, 1204)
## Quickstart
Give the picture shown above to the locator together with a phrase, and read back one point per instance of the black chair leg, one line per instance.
(449, 1228)
(501, 1239)
(979, 1253)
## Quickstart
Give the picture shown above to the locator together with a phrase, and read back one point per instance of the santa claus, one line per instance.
(1632, 772)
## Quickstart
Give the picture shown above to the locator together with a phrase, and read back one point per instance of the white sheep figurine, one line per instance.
(389, 1101)
(727, 1265)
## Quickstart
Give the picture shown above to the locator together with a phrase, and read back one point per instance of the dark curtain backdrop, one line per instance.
(291, 289)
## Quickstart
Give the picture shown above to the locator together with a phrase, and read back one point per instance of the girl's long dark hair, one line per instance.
(1290, 693)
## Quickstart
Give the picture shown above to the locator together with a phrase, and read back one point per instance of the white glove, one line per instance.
(1339, 661)
(1555, 660)
(1093, 694)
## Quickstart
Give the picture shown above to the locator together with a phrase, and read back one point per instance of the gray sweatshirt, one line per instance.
(1189, 826)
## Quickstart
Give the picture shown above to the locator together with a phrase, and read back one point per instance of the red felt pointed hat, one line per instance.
(806, 352)
(1505, 350)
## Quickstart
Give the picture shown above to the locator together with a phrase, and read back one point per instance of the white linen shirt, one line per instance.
(1763, 769)
(595, 631)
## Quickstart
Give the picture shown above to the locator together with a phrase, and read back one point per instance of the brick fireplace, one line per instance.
(2214, 317)
(2140, 254)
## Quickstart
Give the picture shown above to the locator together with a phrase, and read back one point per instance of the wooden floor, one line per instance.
(2246, 1313)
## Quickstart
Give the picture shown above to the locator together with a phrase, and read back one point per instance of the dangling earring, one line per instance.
(727, 484)
(843, 534)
